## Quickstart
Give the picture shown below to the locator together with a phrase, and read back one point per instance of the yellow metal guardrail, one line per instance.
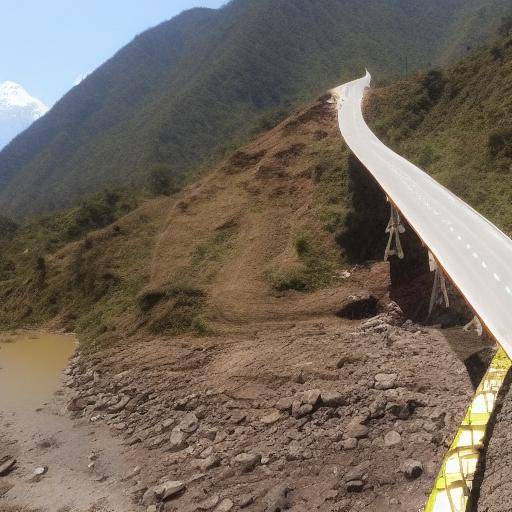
(452, 490)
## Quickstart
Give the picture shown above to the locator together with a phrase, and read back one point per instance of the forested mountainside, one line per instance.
(193, 86)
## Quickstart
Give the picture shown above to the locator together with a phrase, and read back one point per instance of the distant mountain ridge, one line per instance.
(203, 80)
(18, 110)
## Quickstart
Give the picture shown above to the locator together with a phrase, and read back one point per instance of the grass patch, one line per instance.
(313, 270)
(179, 310)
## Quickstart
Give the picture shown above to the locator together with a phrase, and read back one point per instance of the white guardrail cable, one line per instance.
(469, 249)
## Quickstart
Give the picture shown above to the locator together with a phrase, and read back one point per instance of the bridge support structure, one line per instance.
(394, 228)
(439, 292)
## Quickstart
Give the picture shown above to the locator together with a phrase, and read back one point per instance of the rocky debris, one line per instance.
(120, 405)
(163, 492)
(41, 470)
(189, 423)
(177, 440)
(245, 500)
(355, 476)
(412, 469)
(355, 486)
(276, 499)
(311, 397)
(384, 381)
(247, 461)
(350, 443)
(79, 404)
(402, 409)
(332, 399)
(377, 408)
(284, 404)
(7, 464)
(356, 429)
(271, 418)
(210, 462)
(209, 503)
(358, 404)
(224, 506)
(392, 438)
(300, 410)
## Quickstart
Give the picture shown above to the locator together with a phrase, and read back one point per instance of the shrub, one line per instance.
(500, 142)
(7, 227)
(160, 181)
(302, 246)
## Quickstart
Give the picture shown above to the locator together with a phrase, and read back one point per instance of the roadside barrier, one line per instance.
(452, 489)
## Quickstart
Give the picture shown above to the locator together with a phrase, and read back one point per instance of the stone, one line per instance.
(294, 451)
(189, 423)
(177, 440)
(311, 397)
(248, 461)
(78, 404)
(355, 486)
(303, 410)
(296, 405)
(412, 469)
(245, 500)
(276, 499)
(210, 434)
(208, 503)
(224, 506)
(41, 470)
(284, 404)
(238, 417)
(356, 429)
(378, 408)
(355, 473)
(210, 462)
(6, 465)
(332, 399)
(271, 418)
(151, 508)
(332, 494)
(392, 438)
(350, 443)
(119, 406)
(167, 424)
(385, 381)
(168, 489)
(402, 409)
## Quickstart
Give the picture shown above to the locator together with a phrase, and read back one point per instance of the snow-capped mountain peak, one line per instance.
(14, 95)
(18, 110)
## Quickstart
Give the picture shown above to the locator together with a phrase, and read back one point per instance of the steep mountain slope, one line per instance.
(190, 86)
(18, 110)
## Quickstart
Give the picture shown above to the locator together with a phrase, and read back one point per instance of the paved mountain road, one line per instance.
(474, 253)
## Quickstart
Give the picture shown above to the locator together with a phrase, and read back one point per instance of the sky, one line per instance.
(48, 45)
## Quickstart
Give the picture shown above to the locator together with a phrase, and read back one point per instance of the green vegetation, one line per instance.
(161, 181)
(314, 269)
(192, 88)
(79, 265)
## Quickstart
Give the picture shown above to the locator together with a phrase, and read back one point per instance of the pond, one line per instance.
(31, 365)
